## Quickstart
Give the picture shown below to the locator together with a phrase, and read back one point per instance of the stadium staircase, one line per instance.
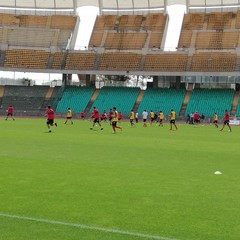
(90, 103)
(1, 94)
(2, 58)
(1, 91)
(185, 103)
(138, 101)
(64, 60)
(234, 103)
(97, 61)
(48, 98)
(50, 61)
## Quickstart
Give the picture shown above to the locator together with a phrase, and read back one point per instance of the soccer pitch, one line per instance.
(138, 184)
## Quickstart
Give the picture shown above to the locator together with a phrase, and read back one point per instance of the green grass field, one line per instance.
(145, 183)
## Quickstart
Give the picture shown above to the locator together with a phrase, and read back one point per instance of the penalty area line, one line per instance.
(82, 226)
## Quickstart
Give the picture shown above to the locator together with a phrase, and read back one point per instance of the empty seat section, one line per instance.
(202, 24)
(96, 39)
(80, 60)
(76, 98)
(163, 99)
(185, 39)
(30, 37)
(120, 61)
(214, 62)
(155, 22)
(24, 98)
(123, 98)
(191, 21)
(130, 22)
(217, 40)
(155, 40)
(58, 58)
(33, 21)
(237, 24)
(63, 39)
(128, 31)
(63, 22)
(219, 21)
(23, 58)
(37, 31)
(165, 62)
(129, 40)
(209, 101)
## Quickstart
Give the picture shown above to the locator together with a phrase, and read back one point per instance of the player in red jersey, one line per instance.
(96, 118)
(226, 121)
(82, 115)
(50, 114)
(120, 116)
(10, 112)
(196, 118)
(104, 116)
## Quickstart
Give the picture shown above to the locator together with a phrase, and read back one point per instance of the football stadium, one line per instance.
(125, 137)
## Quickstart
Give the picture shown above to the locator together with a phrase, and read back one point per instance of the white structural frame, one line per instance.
(113, 4)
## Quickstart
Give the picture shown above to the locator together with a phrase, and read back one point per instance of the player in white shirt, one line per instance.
(136, 117)
(145, 116)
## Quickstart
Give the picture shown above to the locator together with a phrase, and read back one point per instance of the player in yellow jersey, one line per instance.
(173, 119)
(115, 120)
(69, 116)
(131, 117)
(152, 115)
(161, 117)
(215, 120)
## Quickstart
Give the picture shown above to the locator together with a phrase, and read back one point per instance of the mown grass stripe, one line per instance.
(109, 230)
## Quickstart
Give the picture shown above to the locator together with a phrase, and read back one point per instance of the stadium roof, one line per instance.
(113, 4)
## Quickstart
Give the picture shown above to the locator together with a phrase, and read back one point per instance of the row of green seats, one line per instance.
(76, 98)
(123, 98)
(209, 101)
(162, 99)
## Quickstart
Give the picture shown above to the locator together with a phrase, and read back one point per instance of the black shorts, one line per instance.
(226, 122)
(131, 120)
(50, 121)
(114, 123)
(10, 114)
(215, 121)
(196, 121)
(110, 119)
(144, 120)
(172, 121)
(69, 117)
(152, 119)
(96, 120)
(160, 120)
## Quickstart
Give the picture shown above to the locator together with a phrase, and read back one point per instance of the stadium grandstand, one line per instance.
(128, 39)
(71, 168)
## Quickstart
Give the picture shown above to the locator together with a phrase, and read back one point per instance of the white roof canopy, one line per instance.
(113, 4)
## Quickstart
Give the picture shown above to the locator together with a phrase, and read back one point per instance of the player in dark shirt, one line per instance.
(226, 121)
(96, 117)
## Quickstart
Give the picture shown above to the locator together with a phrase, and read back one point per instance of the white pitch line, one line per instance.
(86, 227)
